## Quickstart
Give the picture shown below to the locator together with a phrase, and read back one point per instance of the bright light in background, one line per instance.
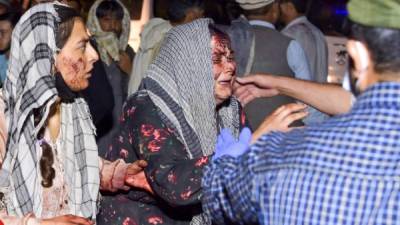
(137, 25)
(337, 58)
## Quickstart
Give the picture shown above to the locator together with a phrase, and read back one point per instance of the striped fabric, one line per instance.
(180, 83)
(30, 85)
(345, 171)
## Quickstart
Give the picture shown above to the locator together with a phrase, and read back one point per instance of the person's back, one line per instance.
(259, 48)
(327, 171)
(344, 171)
(344, 164)
(309, 36)
(266, 62)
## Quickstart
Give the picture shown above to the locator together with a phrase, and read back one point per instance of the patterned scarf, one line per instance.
(30, 85)
(109, 45)
(180, 82)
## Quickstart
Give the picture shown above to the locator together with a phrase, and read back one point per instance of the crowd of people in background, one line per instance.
(214, 120)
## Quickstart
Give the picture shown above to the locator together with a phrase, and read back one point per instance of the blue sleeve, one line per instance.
(298, 61)
(227, 192)
(234, 188)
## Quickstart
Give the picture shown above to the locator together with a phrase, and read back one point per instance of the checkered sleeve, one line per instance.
(228, 188)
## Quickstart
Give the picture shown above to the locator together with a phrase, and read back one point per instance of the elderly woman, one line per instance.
(52, 168)
(173, 123)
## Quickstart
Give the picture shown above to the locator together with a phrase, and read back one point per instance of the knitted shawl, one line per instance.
(180, 83)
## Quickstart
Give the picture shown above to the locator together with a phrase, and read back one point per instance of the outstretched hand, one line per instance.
(248, 88)
(228, 145)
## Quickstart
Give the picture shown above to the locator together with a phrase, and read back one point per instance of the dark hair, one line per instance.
(216, 31)
(46, 161)
(258, 12)
(178, 8)
(12, 17)
(383, 45)
(63, 31)
(64, 28)
(110, 7)
(299, 5)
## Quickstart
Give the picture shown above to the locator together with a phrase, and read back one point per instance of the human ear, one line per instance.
(360, 56)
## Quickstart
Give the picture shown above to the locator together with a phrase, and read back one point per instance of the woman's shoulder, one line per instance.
(141, 105)
(140, 97)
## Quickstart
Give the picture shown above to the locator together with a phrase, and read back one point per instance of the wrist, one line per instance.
(280, 84)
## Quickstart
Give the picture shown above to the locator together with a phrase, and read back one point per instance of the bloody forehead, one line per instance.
(221, 41)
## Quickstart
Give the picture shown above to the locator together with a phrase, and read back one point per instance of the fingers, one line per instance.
(245, 136)
(285, 110)
(67, 220)
(136, 167)
(79, 220)
(246, 97)
(142, 163)
(295, 116)
(249, 79)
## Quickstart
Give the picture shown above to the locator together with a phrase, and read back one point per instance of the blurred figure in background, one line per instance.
(4, 6)
(7, 24)
(179, 12)
(109, 23)
(260, 48)
(292, 14)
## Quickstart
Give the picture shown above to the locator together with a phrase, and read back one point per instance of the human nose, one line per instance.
(116, 26)
(92, 54)
(230, 65)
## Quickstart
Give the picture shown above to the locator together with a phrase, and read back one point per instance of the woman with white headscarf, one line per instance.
(52, 168)
(109, 23)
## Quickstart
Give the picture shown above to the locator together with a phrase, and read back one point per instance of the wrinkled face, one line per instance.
(224, 67)
(5, 35)
(75, 60)
(110, 23)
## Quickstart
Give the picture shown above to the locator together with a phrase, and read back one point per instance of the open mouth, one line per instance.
(225, 82)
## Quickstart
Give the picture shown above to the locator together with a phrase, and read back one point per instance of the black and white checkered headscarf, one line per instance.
(180, 82)
(30, 85)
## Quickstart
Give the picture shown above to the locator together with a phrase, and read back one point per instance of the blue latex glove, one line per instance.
(228, 145)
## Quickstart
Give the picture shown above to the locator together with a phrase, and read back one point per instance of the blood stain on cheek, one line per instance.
(74, 69)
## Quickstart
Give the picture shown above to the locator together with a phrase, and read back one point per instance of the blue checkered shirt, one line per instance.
(345, 171)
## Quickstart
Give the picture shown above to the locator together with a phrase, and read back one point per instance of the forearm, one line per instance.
(327, 98)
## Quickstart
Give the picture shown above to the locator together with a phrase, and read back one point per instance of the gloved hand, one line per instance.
(228, 145)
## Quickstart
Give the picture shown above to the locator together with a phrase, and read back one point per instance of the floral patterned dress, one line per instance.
(174, 178)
